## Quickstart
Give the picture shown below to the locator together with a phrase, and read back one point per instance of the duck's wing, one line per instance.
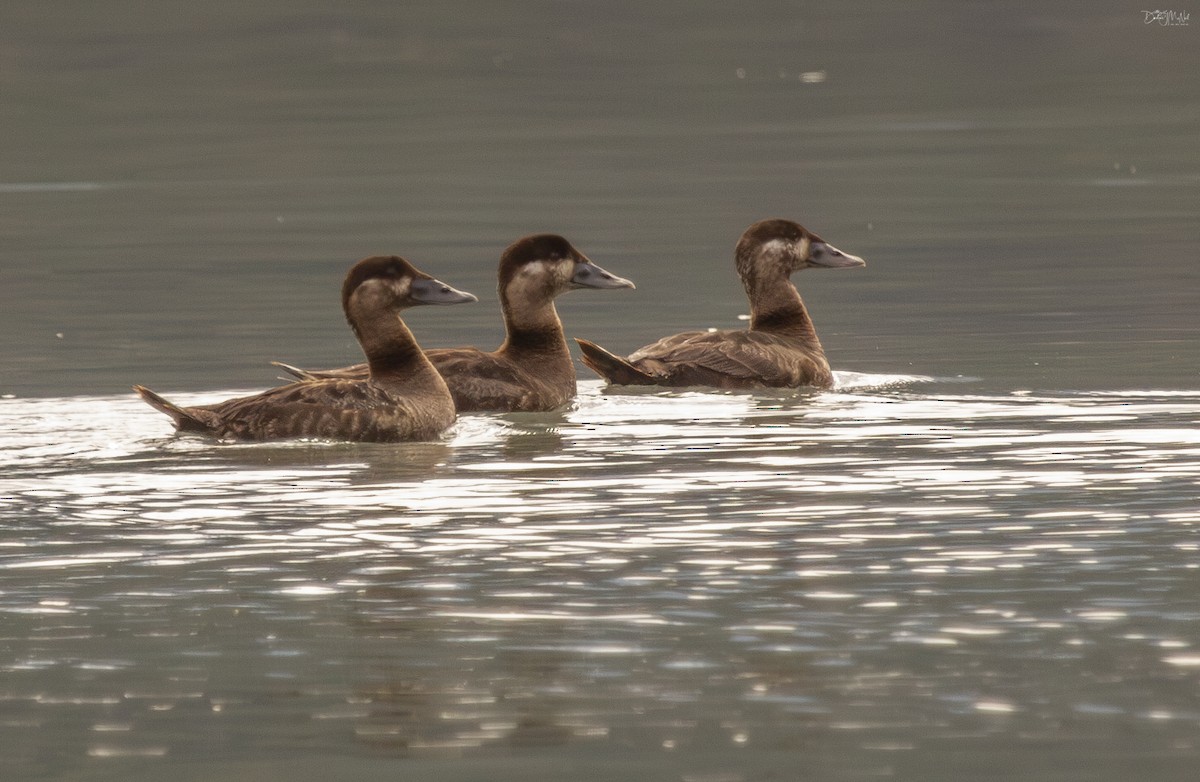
(334, 409)
(481, 381)
(731, 359)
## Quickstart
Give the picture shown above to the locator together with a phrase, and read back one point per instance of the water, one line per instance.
(897, 578)
(975, 558)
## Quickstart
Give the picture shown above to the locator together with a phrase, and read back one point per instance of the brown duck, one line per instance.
(780, 349)
(532, 371)
(401, 396)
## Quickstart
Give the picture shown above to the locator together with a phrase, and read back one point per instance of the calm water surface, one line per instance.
(976, 558)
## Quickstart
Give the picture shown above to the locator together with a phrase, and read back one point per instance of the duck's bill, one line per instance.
(437, 292)
(589, 275)
(827, 256)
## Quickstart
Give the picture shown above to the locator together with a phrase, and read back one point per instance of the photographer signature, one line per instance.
(1167, 18)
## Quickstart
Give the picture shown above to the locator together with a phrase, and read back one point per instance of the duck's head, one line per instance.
(543, 266)
(783, 247)
(391, 282)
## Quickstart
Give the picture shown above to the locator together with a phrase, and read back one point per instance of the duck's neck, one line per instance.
(393, 355)
(533, 329)
(776, 308)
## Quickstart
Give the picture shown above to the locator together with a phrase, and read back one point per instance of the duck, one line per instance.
(779, 350)
(401, 397)
(532, 370)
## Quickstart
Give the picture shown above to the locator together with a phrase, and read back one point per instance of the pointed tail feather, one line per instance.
(185, 420)
(302, 374)
(612, 368)
(353, 372)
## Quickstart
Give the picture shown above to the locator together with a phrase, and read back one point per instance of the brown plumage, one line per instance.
(401, 396)
(532, 371)
(780, 349)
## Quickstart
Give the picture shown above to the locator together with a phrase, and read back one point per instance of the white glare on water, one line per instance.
(873, 562)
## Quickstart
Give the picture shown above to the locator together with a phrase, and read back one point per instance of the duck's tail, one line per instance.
(297, 372)
(353, 372)
(185, 420)
(612, 368)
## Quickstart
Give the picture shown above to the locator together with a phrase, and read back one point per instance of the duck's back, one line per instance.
(330, 409)
(482, 381)
(733, 359)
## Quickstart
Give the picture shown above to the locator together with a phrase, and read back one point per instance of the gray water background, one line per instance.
(976, 558)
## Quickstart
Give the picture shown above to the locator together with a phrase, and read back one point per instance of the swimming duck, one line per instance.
(402, 397)
(532, 370)
(780, 349)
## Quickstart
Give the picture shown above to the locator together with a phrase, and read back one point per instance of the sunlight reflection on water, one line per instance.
(889, 559)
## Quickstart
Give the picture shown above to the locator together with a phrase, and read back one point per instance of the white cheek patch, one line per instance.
(538, 277)
(783, 252)
(529, 279)
(547, 270)
(776, 247)
(400, 287)
(535, 269)
(384, 290)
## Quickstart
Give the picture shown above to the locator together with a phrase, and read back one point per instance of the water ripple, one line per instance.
(859, 563)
